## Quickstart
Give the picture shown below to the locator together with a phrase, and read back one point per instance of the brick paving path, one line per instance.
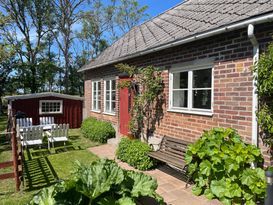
(170, 187)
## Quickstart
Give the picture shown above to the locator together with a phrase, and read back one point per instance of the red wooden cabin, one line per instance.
(64, 108)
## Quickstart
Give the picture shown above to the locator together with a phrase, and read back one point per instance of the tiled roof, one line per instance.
(45, 94)
(184, 20)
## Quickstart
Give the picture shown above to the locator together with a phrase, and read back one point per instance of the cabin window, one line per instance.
(191, 90)
(51, 107)
(110, 96)
(96, 95)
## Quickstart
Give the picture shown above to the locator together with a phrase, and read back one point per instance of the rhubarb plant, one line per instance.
(220, 165)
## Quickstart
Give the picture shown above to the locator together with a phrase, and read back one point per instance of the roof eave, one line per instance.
(234, 26)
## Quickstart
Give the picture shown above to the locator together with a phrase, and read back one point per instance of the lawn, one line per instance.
(44, 167)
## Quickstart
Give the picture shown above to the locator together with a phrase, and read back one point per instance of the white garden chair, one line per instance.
(24, 122)
(32, 136)
(58, 133)
(46, 120)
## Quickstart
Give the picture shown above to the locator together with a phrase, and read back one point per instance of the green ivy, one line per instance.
(264, 78)
(147, 87)
(135, 153)
(220, 165)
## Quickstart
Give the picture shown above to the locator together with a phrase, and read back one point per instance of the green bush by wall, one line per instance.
(135, 153)
(96, 130)
(220, 165)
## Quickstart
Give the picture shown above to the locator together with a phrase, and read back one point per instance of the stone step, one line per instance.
(113, 141)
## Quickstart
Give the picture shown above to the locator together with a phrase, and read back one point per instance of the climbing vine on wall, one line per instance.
(264, 69)
(147, 86)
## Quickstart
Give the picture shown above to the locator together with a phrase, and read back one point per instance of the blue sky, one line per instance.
(158, 6)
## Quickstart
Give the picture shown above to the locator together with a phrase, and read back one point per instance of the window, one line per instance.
(110, 96)
(96, 95)
(191, 90)
(51, 107)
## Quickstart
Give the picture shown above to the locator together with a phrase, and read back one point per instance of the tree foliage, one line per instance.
(51, 40)
(264, 78)
(147, 88)
(220, 165)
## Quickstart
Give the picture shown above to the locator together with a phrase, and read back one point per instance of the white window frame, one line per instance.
(97, 95)
(190, 68)
(110, 112)
(50, 101)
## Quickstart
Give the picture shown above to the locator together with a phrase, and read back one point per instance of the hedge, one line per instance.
(96, 130)
(135, 153)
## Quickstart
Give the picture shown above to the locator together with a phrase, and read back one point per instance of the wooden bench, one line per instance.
(172, 151)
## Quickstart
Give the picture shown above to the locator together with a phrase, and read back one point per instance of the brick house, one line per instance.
(206, 50)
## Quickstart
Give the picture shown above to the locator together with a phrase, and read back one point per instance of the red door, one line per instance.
(124, 113)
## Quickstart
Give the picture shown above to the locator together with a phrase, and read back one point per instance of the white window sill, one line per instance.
(50, 113)
(109, 113)
(96, 111)
(193, 112)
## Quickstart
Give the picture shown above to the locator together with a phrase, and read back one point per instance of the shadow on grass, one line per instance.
(64, 149)
(74, 137)
(39, 173)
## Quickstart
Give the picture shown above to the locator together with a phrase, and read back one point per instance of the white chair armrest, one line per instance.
(48, 133)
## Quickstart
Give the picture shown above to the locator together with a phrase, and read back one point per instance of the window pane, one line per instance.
(202, 99)
(99, 86)
(180, 98)
(113, 106)
(180, 80)
(99, 105)
(94, 86)
(107, 95)
(107, 85)
(113, 95)
(107, 106)
(113, 85)
(202, 78)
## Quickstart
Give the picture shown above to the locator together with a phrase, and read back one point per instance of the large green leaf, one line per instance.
(197, 190)
(44, 197)
(205, 167)
(98, 178)
(143, 185)
(218, 188)
(125, 201)
(233, 190)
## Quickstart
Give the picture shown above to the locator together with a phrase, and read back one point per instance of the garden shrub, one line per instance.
(220, 165)
(135, 153)
(96, 130)
(103, 182)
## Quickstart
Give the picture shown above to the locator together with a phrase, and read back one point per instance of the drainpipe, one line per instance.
(255, 44)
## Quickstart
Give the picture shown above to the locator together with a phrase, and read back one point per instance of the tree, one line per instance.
(25, 32)
(6, 80)
(95, 23)
(129, 14)
(67, 14)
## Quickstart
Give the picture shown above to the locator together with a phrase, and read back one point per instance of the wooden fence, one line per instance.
(16, 154)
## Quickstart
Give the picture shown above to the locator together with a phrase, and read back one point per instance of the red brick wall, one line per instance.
(232, 53)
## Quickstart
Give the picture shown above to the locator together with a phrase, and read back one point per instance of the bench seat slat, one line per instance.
(172, 151)
(175, 147)
(178, 141)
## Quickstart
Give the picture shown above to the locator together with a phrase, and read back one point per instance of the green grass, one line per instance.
(44, 167)
(3, 122)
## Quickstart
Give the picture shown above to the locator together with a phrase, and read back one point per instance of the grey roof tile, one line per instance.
(184, 20)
